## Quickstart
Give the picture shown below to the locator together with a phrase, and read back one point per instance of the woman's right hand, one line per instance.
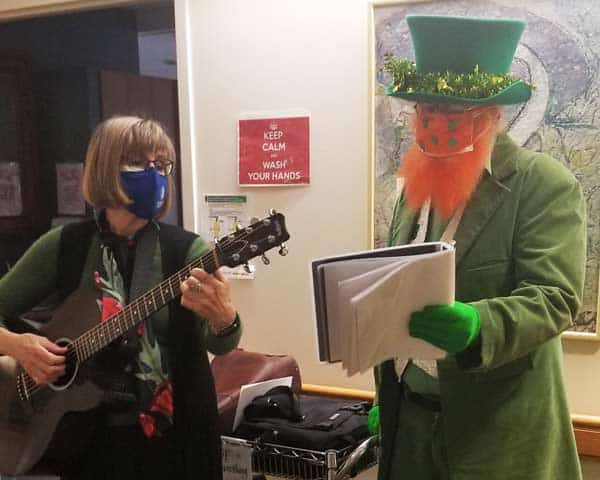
(42, 359)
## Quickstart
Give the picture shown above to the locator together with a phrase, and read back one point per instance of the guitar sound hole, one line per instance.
(71, 366)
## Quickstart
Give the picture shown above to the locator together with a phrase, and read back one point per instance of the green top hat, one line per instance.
(460, 60)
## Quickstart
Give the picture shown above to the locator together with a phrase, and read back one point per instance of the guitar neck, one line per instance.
(95, 339)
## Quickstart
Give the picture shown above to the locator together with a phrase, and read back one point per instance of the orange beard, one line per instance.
(448, 181)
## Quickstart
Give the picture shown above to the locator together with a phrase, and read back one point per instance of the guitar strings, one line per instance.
(32, 387)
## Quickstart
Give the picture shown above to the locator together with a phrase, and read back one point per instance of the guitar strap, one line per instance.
(198, 444)
(73, 249)
(175, 244)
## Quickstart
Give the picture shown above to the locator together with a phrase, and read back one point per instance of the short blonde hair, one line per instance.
(119, 140)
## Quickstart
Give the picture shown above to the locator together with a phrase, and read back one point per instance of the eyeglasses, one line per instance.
(164, 167)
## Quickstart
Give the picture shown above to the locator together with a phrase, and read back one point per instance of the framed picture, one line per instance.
(558, 53)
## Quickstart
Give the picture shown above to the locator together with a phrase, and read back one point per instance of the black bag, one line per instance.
(323, 424)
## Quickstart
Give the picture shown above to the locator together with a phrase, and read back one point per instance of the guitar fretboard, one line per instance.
(95, 339)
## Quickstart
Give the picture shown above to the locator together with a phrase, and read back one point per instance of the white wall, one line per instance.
(582, 369)
(273, 55)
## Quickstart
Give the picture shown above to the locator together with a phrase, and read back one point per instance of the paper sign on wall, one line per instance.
(11, 204)
(225, 214)
(68, 189)
(274, 151)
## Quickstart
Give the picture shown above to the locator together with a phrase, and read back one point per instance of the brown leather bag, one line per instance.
(240, 367)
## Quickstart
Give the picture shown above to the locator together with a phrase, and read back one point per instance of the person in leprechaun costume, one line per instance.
(495, 408)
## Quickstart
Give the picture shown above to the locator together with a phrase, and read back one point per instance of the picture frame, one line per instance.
(559, 119)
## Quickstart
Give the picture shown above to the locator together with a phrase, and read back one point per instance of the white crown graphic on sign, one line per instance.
(273, 126)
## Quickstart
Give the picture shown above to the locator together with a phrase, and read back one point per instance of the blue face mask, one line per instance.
(147, 189)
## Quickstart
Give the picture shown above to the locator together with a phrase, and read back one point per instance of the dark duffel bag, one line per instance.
(313, 423)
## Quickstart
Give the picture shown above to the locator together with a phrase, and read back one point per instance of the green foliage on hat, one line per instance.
(472, 85)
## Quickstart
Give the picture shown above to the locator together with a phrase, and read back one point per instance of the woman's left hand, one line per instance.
(208, 296)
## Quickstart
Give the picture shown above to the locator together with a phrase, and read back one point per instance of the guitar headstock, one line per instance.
(254, 240)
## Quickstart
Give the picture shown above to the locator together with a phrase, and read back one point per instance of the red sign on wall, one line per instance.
(274, 151)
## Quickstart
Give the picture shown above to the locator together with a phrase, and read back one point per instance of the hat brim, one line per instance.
(517, 92)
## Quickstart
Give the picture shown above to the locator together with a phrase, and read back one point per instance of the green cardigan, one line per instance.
(520, 260)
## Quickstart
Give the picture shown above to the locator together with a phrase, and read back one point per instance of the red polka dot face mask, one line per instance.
(448, 130)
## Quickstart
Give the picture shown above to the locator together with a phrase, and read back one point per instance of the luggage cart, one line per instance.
(297, 463)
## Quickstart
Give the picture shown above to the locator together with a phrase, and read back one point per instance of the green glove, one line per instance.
(373, 421)
(450, 327)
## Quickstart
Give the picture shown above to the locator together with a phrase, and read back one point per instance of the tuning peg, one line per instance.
(265, 259)
(272, 211)
(283, 250)
(248, 268)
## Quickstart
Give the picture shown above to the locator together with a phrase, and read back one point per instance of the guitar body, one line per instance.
(28, 428)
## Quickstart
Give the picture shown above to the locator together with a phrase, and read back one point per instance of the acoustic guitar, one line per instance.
(31, 414)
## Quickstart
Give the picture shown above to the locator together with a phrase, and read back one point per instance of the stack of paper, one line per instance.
(250, 391)
(363, 302)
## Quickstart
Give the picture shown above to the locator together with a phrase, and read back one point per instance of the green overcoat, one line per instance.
(520, 255)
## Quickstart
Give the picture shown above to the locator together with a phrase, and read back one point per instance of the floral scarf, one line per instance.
(154, 389)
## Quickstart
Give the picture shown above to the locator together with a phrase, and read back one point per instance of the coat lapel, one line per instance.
(486, 199)
(404, 225)
(488, 196)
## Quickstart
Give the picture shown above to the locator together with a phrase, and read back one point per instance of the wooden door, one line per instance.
(129, 94)
(20, 215)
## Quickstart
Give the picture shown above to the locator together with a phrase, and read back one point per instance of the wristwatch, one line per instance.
(228, 329)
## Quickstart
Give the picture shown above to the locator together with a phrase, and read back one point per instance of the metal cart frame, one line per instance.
(298, 463)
